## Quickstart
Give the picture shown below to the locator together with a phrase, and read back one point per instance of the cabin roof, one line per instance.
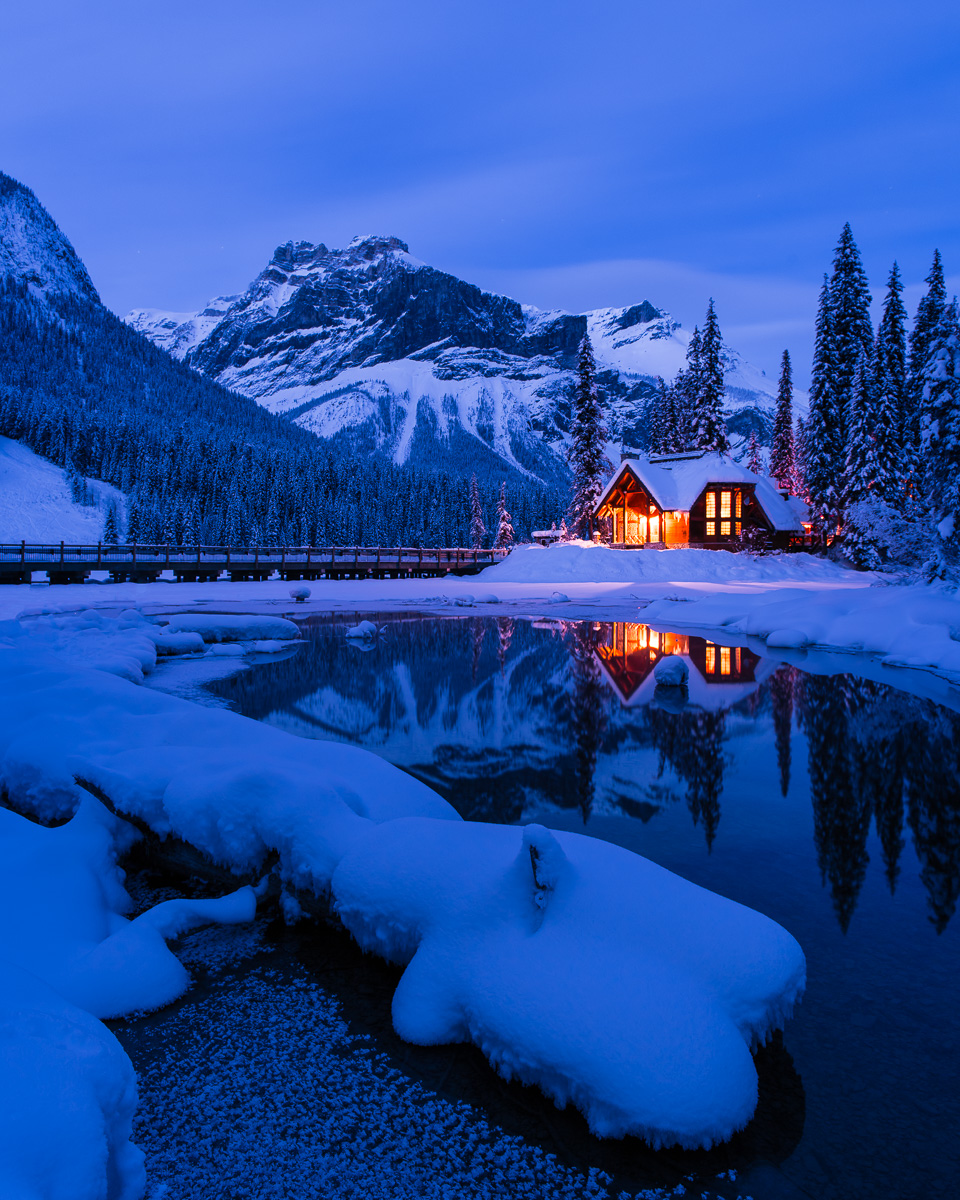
(676, 480)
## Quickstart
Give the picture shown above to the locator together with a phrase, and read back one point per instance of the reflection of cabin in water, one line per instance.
(696, 499)
(629, 651)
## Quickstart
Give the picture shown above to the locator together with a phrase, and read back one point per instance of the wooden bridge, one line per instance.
(64, 563)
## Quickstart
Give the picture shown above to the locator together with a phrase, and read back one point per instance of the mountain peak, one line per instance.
(33, 249)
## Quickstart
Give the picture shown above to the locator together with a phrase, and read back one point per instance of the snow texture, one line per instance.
(671, 671)
(578, 966)
(573, 964)
(36, 505)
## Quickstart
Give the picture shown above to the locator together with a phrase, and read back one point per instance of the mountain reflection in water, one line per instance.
(507, 718)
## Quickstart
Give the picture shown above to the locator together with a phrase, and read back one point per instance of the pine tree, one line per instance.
(505, 535)
(111, 531)
(860, 469)
(754, 459)
(940, 443)
(710, 430)
(782, 458)
(477, 527)
(896, 465)
(588, 439)
(657, 420)
(927, 319)
(824, 443)
(852, 327)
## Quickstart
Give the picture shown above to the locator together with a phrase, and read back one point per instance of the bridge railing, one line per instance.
(104, 555)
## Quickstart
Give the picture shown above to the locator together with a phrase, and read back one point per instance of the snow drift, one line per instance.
(573, 964)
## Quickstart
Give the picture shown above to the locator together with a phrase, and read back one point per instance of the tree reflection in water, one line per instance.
(562, 714)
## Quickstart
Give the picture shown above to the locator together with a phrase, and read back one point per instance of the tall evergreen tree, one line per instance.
(111, 526)
(588, 440)
(852, 327)
(782, 459)
(477, 527)
(896, 466)
(940, 443)
(504, 536)
(860, 469)
(710, 430)
(754, 459)
(927, 319)
(824, 442)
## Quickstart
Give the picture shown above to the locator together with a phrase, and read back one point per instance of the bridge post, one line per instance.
(61, 553)
(23, 552)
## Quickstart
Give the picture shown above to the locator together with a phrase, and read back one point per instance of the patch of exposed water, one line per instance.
(829, 802)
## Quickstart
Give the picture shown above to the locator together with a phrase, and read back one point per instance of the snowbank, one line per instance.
(68, 956)
(907, 626)
(573, 964)
(576, 965)
(584, 562)
(223, 627)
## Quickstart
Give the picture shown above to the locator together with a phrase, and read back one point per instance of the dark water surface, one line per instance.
(828, 802)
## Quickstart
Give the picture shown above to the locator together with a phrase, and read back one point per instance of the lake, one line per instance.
(827, 801)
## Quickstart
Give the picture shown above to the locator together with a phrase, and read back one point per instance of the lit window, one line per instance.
(739, 496)
(724, 504)
(739, 528)
(738, 660)
(724, 660)
(711, 529)
(724, 528)
(711, 504)
(654, 640)
(711, 658)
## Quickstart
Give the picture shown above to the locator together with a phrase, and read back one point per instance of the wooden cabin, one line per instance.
(700, 498)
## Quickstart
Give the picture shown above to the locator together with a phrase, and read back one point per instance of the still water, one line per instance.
(828, 802)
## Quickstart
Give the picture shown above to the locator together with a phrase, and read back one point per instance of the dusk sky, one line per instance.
(571, 155)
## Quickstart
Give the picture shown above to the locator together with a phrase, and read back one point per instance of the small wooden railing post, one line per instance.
(61, 554)
(23, 552)
(198, 553)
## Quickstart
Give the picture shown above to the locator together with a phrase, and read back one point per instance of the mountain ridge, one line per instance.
(374, 344)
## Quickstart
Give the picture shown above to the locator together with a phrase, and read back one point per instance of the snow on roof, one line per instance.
(676, 480)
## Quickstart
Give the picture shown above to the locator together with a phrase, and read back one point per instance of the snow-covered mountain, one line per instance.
(370, 342)
(33, 249)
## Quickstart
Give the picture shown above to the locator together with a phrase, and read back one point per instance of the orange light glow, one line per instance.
(724, 660)
(711, 658)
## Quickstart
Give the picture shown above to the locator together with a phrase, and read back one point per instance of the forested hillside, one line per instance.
(200, 463)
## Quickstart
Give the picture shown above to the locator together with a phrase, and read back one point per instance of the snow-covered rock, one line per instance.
(365, 631)
(671, 671)
(372, 341)
(32, 247)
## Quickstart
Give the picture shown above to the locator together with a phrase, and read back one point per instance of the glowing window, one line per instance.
(739, 528)
(654, 640)
(711, 504)
(724, 528)
(711, 529)
(737, 659)
(724, 504)
(739, 496)
(724, 660)
(711, 658)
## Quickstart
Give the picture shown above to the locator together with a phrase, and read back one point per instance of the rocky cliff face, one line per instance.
(33, 249)
(370, 343)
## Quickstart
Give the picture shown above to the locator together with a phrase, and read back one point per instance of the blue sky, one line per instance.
(572, 155)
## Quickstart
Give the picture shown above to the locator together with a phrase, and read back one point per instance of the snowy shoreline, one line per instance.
(659, 988)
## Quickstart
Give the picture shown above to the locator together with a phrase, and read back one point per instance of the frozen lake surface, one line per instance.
(828, 802)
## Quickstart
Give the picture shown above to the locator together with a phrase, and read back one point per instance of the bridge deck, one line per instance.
(69, 563)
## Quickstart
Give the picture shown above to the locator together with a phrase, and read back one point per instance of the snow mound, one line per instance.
(365, 631)
(220, 627)
(585, 562)
(671, 671)
(578, 966)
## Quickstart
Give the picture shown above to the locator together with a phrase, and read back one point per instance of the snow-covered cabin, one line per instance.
(699, 498)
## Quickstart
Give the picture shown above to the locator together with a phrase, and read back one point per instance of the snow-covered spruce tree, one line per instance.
(477, 527)
(754, 458)
(800, 459)
(852, 328)
(895, 458)
(504, 536)
(940, 445)
(782, 457)
(860, 469)
(111, 527)
(824, 443)
(588, 438)
(925, 324)
(674, 434)
(709, 427)
(657, 422)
